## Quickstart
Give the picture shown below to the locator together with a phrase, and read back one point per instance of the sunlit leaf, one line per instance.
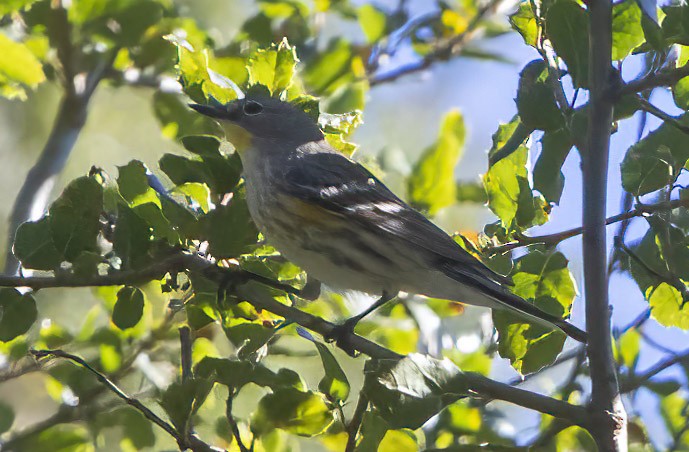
(668, 306)
(298, 412)
(432, 183)
(507, 182)
(627, 33)
(655, 161)
(18, 67)
(274, 67)
(545, 280)
(524, 22)
(372, 21)
(334, 382)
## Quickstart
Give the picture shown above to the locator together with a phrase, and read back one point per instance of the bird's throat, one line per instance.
(239, 137)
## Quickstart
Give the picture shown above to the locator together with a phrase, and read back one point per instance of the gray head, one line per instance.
(266, 118)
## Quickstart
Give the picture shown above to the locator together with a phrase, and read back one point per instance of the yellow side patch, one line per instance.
(309, 213)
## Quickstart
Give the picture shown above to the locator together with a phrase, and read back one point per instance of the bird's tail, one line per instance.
(521, 306)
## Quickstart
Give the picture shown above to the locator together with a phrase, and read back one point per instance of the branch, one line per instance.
(554, 239)
(249, 289)
(655, 80)
(608, 418)
(34, 194)
(486, 388)
(443, 52)
(354, 424)
(68, 413)
(136, 404)
(648, 107)
(634, 382)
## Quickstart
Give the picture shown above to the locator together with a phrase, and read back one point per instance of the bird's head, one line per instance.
(262, 118)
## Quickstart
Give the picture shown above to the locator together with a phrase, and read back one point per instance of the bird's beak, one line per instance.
(210, 111)
(231, 111)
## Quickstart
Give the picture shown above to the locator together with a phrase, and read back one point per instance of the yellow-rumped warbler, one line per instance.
(339, 223)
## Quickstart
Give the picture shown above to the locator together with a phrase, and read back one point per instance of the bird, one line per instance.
(334, 219)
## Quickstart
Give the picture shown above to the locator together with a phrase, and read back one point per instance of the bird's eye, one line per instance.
(252, 108)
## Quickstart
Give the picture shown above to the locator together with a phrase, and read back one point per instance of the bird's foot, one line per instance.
(342, 336)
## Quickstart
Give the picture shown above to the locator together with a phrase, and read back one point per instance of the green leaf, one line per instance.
(60, 438)
(229, 229)
(547, 173)
(373, 430)
(409, 391)
(334, 383)
(9, 6)
(432, 183)
(199, 80)
(567, 27)
(34, 246)
(182, 399)
(535, 99)
(627, 33)
(74, 217)
(655, 161)
(471, 192)
(629, 345)
(274, 67)
(297, 412)
(545, 280)
(462, 419)
(331, 69)
(17, 313)
(18, 67)
(524, 22)
(133, 183)
(6, 417)
(372, 21)
(178, 120)
(131, 241)
(129, 308)
(675, 26)
(507, 183)
(667, 306)
(236, 373)
(220, 173)
(673, 410)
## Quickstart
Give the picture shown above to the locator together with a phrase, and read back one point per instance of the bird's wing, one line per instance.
(343, 187)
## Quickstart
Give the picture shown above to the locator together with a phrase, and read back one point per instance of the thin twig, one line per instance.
(553, 239)
(233, 424)
(655, 80)
(635, 382)
(355, 423)
(648, 107)
(253, 292)
(444, 51)
(136, 404)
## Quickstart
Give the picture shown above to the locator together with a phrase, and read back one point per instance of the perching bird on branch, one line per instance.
(339, 223)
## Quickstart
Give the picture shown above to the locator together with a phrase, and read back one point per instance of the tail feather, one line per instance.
(523, 307)
(493, 288)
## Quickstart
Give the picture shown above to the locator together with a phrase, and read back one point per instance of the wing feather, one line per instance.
(346, 188)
